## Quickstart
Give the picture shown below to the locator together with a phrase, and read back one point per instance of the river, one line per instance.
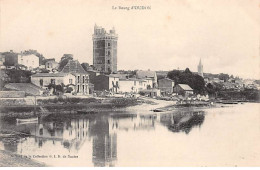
(224, 136)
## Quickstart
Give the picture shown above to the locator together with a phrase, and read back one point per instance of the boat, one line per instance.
(27, 120)
(229, 102)
(158, 110)
(86, 112)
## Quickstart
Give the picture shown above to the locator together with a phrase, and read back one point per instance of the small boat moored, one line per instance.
(27, 120)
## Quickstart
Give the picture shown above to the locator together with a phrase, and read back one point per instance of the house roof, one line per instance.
(185, 87)
(73, 66)
(166, 79)
(50, 74)
(51, 61)
(131, 79)
(111, 75)
(121, 76)
(145, 74)
(28, 88)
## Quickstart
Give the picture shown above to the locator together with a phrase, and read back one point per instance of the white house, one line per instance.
(31, 61)
(44, 79)
(148, 75)
(132, 85)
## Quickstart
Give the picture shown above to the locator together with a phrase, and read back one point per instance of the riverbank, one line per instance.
(8, 159)
(70, 106)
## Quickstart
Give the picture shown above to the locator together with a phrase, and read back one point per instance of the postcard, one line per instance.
(129, 83)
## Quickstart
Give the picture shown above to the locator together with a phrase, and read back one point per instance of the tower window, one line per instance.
(108, 61)
(108, 44)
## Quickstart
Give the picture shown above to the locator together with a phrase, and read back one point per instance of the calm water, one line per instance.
(227, 136)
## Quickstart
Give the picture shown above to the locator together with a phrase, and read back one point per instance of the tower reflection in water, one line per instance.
(100, 130)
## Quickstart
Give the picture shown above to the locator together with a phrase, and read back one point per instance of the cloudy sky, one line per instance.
(173, 34)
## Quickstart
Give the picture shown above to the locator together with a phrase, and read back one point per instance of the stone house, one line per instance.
(166, 86)
(149, 75)
(43, 80)
(82, 77)
(183, 89)
(51, 65)
(31, 61)
(106, 82)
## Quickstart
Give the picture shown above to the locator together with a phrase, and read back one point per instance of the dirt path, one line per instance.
(149, 107)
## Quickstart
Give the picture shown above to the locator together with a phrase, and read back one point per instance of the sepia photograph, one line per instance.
(129, 83)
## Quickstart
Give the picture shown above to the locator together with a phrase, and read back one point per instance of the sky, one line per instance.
(172, 34)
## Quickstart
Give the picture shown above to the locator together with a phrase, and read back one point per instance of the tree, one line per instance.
(18, 76)
(174, 75)
(64, 60)
(187, 77)
(223, 76)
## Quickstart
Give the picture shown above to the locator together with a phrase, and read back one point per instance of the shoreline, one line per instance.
(65, 106)
(9, 159)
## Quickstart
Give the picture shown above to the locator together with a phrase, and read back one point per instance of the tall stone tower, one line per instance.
(105, 50)
(200, 69)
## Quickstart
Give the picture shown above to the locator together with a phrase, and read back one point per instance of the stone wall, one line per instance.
(12, 94)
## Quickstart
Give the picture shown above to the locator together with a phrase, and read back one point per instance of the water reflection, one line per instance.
(182, 121)
(101, 131)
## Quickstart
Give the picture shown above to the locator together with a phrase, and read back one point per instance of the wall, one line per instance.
(166, 85)
(131, 86)
(49, 65)
(30, 61)
(12, 94)
(101, 83)
(82, 84)
(126, 86)
(58, 80)
(149, 82)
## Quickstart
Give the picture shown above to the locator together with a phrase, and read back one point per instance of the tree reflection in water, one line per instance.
(182, 121)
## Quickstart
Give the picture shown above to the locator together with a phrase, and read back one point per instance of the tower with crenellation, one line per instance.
(105, 50)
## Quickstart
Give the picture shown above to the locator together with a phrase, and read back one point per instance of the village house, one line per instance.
(183, 89)
(150, 76)
(131, 85)
(43, 80)
(166, 86)
(30, 61)
(82, 77)
(51, 64)
(106, 82)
